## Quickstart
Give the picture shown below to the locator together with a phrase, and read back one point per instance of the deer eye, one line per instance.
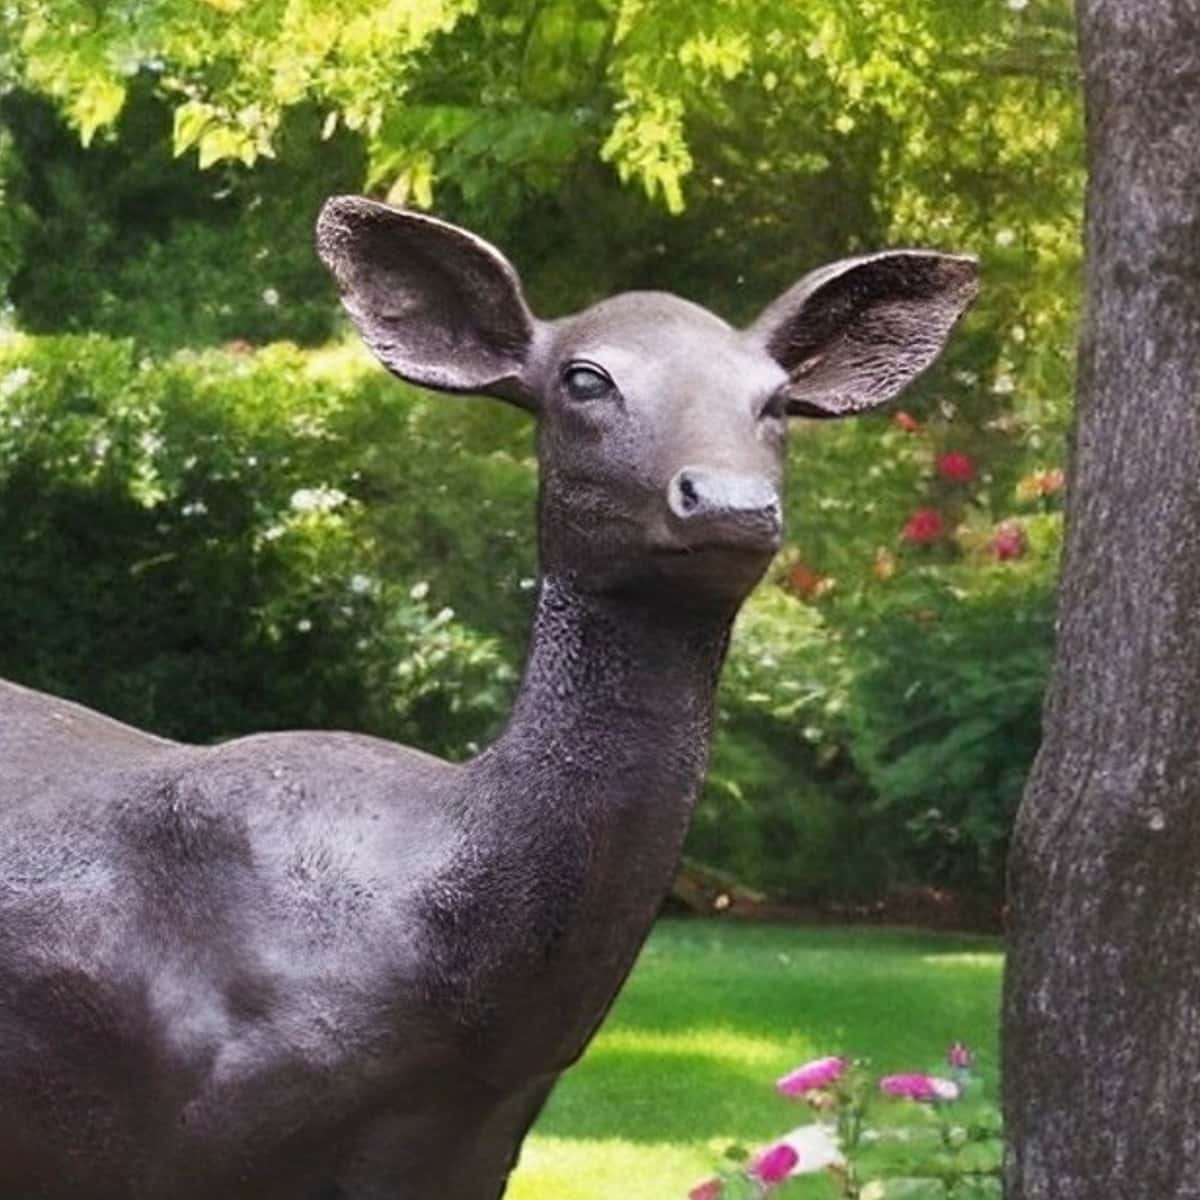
(584, 381)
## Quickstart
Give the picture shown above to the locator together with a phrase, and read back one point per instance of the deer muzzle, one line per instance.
(728, 509)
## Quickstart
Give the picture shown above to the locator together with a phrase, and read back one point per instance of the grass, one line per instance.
(713, 1013)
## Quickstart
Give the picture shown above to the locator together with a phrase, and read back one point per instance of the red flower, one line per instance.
(710, 1189)
(774, 1164)
(924, 526)
(1008, 541)
(907, 422)
(956, 466)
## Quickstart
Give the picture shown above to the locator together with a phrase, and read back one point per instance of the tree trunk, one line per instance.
(1102, 995)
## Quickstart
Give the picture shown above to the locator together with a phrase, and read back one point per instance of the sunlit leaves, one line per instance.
(96, 104)
(234, 67)
(619, 80)
(647, 143)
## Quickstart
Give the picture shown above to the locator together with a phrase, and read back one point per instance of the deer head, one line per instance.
(661, 428)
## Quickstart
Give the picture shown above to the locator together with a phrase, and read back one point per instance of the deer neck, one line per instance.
(575, 817)
(615, 706)
(595, 777)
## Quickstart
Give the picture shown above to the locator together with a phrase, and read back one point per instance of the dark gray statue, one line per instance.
(312, 966)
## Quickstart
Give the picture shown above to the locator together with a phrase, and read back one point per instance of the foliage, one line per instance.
(784, 807)
(945, 709)
(864, 121)
(161, 251)
(928, 546)
(188, 545)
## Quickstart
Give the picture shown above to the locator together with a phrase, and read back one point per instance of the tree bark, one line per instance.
(1102, 994)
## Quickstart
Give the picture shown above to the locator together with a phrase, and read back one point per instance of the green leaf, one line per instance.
(220, 142)
(191, 120)
(98, 103)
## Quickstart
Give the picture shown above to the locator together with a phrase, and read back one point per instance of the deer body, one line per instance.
(318, 965)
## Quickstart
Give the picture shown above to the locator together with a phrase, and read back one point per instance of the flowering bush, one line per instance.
(945, 1145)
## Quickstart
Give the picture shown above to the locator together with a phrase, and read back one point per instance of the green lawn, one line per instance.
(713, 1013)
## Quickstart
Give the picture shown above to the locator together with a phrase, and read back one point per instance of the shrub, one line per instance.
(783, 805)
(948, 669)
(194, 546)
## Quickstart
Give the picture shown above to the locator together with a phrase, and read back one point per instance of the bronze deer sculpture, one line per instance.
(320, 966)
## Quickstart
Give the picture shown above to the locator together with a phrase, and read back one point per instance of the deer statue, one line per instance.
(320, 966)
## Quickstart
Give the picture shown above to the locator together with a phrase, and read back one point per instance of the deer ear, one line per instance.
(437, 305)
(853, 334)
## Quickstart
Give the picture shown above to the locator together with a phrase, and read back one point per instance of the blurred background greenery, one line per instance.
(217, 515)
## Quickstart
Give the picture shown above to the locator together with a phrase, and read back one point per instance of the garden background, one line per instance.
(217, 515)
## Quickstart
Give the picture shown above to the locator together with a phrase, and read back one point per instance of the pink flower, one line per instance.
(959, 1057)
(907, 422)
(924, 526)
(1008, 541)
(819, 1073)
(710, 1189)
(774, 1164)
(955, 466)
(924, 1088)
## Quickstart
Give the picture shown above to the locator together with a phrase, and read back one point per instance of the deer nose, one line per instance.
(726, 505)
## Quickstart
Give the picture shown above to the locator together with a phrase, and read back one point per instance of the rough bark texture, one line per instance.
(1102, 997)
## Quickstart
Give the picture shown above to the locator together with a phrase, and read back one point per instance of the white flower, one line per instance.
(419, 590)
(318, 499)
(816, 1147)
(1005, 237)
(1017, 5)
(360, 584)
(194, 508)
(304, 624)
(1004, 385)
(270, 297)
(12, 383)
